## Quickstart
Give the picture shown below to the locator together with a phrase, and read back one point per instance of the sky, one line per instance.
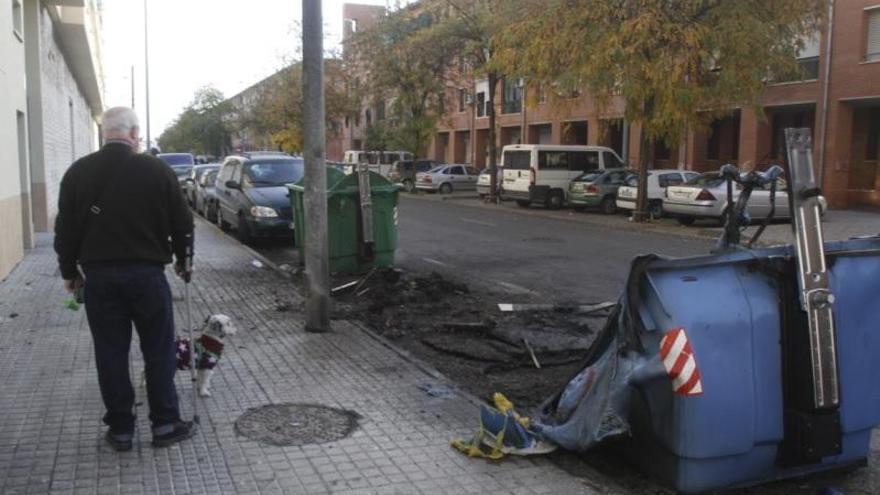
(230, 44)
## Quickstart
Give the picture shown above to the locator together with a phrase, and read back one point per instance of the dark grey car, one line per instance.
(206, 197)
(191, 183)
(252, 195)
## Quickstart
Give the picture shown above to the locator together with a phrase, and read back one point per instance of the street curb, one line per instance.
(284, 274)
(420, 364)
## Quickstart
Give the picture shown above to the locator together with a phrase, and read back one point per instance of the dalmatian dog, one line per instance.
(208, 349)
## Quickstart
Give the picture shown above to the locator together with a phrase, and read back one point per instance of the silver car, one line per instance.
(447, 178)
(706, 197)
(484, 181)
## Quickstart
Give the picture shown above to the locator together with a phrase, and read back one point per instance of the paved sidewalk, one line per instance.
(837, 224)
(51, 433)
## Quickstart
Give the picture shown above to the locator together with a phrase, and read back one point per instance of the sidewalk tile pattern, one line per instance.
(51, 433)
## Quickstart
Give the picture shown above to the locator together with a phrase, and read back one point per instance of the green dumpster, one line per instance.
(347, 253)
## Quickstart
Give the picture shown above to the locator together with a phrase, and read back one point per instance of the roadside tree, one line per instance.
(278, 111)
(202, 126)
(674, 64)
(405, 67)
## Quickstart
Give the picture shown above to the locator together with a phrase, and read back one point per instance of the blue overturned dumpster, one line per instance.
(735, 368)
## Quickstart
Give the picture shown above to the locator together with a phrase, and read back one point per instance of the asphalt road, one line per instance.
(544, 259)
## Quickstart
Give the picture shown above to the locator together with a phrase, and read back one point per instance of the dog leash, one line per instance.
(189, 326)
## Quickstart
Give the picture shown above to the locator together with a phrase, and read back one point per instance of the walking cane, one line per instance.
(192, 353)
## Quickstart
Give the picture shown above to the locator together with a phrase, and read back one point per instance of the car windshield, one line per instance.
(210, 178)
(177, 159)
(274, 172)
(200, 172)
(589, 177)
(705, 180)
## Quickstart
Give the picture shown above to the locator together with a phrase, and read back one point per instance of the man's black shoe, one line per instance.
(166, 435)
(121, 442)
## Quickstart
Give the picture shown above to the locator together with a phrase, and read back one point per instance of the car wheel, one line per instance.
(523, 203)
(607, 206)
(224, 226)
(555, 200)
(655, 209)
(446, 188)
(243, 232)
(209, 212)
(686, 220)
(409, 187)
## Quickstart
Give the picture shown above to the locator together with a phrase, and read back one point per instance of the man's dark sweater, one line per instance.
(140, 217)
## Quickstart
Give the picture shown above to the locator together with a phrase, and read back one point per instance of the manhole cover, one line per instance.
(296, 424)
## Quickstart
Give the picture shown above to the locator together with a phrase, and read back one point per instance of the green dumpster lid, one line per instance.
(338, 182)
(334, 176)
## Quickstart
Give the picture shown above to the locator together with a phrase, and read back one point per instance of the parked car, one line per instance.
(189, 185)
(404, 172)
(379, 161)
(541, 173)
(252, 195)
(447, 178)
(181, 163)
(484, 181)
(206, 197)
(658, 181)
(598, 189)
(705, 197)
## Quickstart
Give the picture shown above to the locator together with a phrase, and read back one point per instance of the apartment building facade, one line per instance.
(838, 97)
(52, 81)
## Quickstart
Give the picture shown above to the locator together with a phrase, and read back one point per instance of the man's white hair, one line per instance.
(119, 120)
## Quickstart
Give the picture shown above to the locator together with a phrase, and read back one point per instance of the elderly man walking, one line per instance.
(121, 216)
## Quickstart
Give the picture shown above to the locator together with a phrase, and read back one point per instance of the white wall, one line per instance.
(68, 128)
(12, 100)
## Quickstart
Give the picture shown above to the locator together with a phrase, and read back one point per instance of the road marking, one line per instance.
(435, 262)
(479, 222)
(516, 289)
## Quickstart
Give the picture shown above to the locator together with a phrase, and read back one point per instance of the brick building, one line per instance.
(355, 18)
(51, 79)
(839, 98)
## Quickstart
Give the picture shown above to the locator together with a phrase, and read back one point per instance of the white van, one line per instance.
(379, 161)
(540, 173)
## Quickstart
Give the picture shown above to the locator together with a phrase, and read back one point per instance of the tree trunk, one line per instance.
(493, 164)
(645, 145)
(646, 148)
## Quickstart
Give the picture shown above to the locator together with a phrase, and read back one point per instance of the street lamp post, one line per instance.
(147, 75)
(315, 200)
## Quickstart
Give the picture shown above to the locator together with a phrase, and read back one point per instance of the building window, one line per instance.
(513, 96)
(17, 20)
(481, 104)
(807, 63)
(462, 100)
(873, 47)
(542, 93)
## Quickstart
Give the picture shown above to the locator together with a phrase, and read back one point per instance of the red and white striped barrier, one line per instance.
(680, 363)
